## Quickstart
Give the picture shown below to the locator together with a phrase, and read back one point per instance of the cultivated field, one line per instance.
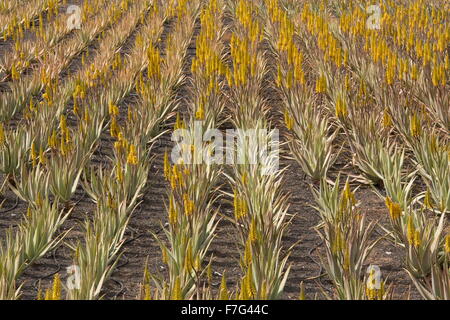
(334, 184)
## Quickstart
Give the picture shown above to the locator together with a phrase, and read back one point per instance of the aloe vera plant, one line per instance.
(347, 240)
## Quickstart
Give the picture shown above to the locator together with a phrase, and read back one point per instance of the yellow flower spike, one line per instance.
(247, 287)
(346, 265)
(415, 125)
(347, 82)
(209, 273)
(242, 293)
(63, 147)
(381, 291)
(180, 174)
(67, 137)
(164, 255)
(411, 230)
(200, 114)
(118, 147)
(302, 295)
(253, 232)
(321, 84)
(86, 117)
(2, 135)
(114, 128)
(443, 76)
(48, 294)
(147, 276)
(110, 201)
(29, 214)
(113, 109)
(176, 291)
(348, 194)
(335, 243)
(290, 79)
(175, 172)
(288, 120)
(447, 244)
(53, 140)
(197, 264)
(39, 200)
(167, 168)
(14, 73)
(387, 120)
(243, 208)
(173, 217)
(42, 158)
(435, 76)
(131, 115)
(236, 202)
(32, 106)
(371, 293)
(341, 242)
(147, 292)
(414, 72)
(46, 97)
(248, 256)
(56, 290)
(83, 92)
(341, 107)
(428, 200)
(33, 154)
(132, 156)
(178, 122)
(244, 178)
(75, 105)
(119, 173)
(188, 205)
(229, 77)
(173, 181)
(395, 209)
(250, 288)
(123, 141)
(188, 260)
(417, 239)
(63, 124)
(223, 291)
(186, 171)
